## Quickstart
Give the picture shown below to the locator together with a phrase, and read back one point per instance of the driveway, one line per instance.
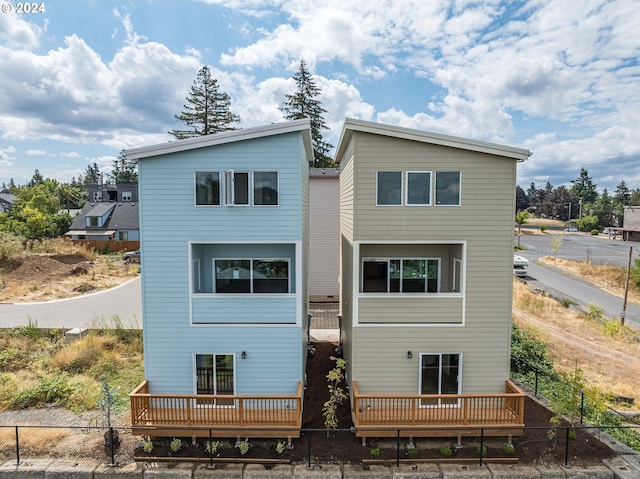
(121, 305)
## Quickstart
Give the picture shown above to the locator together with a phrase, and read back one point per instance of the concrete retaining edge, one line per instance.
(56, 469)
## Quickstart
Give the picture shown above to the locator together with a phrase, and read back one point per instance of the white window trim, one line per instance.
(460, 364)
(401, 259)
(459, 188)
(406, 188)
(126, 196)
(195, 186)
(253, 191)
(195, 378)
(251, 260)
(401, 189)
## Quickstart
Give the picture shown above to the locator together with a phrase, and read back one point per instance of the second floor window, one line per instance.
(400, 275)
(418, 188)
(207, 188)
(251, 276)
(126, 196)
(448, 188)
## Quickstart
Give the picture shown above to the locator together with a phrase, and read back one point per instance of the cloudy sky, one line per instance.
(84, 79)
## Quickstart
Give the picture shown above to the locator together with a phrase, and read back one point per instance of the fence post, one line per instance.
(112, 446)
(309, 449)
(566, 448)
(481, 444)
(581, 407)
(18, 461)
(398, 449)
(210, 447)
(536, 393)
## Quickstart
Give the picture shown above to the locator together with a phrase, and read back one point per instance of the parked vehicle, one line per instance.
(520, 265)
(132, 256)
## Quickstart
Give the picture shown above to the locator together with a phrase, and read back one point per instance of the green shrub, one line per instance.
(412, 452)
(567, 302)
(280, 447)
(595, 232)
(147, 444)
(446, 451)
(482, 450)
(375, 452)
(543, 228)
(244, 446)
(508, 449)
(212, 447)
(176, 444)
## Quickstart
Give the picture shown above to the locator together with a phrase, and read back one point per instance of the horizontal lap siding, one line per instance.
(427, 310)
(170, 220)
(324, 237)
(484, 221)
(263, 309)
(268, 350)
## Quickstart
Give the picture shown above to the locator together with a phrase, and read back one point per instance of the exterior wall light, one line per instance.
(409, 355)
(244, 355)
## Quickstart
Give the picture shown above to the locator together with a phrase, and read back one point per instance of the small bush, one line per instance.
(572, 435)
(244, 446)
(446, 451)
(482, 450)
(212, 447)
(176, 444)
(567, 302)
(375, 452)
(147, 444)
(412, 452)
(543, 228)
(508, 449)
(280, 447)
(595, 232)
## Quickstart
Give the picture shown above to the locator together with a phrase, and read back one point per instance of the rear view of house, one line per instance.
(224, 233)
(427, 258)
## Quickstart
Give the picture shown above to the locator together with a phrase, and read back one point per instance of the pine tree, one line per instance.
(584, 188)
(124, 171)
(207, 110)
(303, 104)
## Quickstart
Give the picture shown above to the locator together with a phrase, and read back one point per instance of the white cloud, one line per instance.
(35, 152)
(17, 33)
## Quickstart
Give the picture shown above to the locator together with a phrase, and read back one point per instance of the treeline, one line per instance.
(45, 208)
(580, 202)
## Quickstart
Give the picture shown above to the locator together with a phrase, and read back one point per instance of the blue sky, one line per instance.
(87, 78)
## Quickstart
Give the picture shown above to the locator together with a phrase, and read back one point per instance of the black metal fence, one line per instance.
(116, 445)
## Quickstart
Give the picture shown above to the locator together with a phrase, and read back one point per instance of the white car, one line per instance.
(520, 265)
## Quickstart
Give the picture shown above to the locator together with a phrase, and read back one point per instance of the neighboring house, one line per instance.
(426, 224)
(324, 235)
(111, 215)
(631, 229)
(224, 282)
(7, 200)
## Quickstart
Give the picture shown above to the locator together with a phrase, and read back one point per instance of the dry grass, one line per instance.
(608, 354)
(609, 278)
(35, 441)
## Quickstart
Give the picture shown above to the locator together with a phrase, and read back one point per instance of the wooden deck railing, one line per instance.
(438, 415)
(229, 415)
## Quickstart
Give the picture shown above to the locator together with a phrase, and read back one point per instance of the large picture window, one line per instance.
(252, 276)
(207, 188)
(215, 375)
(389, 189)
(448, 188)
(400, 275)
(440, 374)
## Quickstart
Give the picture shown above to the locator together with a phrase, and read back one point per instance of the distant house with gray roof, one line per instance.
(7, 200)
(111, 215)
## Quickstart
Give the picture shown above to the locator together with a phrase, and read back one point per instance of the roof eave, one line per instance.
(351, 126)
(222, 138)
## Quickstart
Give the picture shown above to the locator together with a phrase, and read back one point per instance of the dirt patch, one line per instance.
(42, 277)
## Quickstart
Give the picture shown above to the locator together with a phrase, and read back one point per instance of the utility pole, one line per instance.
(626, 289)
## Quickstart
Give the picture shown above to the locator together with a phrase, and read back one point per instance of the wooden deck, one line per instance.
(219, 416)
(450, 415)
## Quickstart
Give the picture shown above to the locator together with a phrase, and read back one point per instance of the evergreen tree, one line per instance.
(91, 175)
(622, 194)
(124, 171)
(304, 104)
(207, 110)
(36, 179)
(584, 188)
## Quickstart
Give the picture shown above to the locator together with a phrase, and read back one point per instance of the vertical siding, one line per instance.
(170, 223)
(484, 221)
(324, 211)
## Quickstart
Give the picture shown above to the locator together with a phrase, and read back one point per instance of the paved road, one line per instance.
(123, 302)
(580, 247)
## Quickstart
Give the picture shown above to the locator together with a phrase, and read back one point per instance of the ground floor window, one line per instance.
(215, 374)
(440, 374)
